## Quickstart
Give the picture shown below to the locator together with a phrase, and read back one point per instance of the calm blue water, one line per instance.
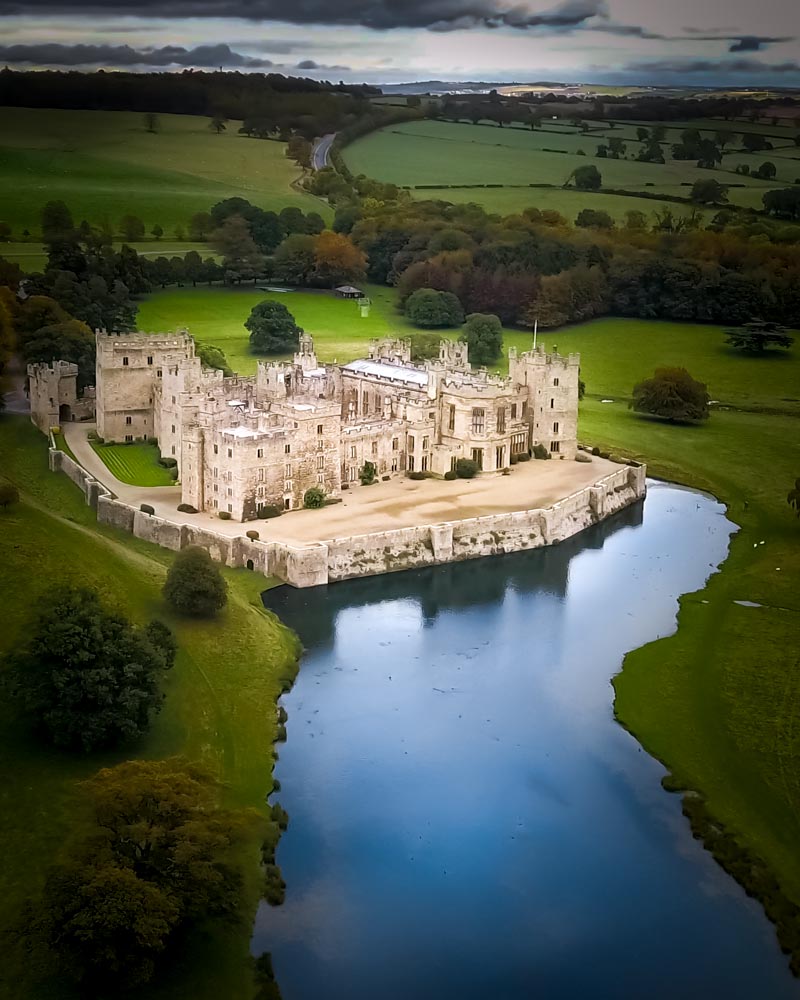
(467, 819)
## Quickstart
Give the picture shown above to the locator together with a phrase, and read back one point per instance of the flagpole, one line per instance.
(535, 330)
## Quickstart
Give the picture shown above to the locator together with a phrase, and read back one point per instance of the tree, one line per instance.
(157, 231)
(754, 143)
(295, 259)
(159, 854)
(5, 232)
(709, 191)
(784, 203)
(337, 260)
(590, 218)
(635, 220)
(586, 178)
(430, 309)
(671, 393)
(200, 225)
(424, 346)
(57, 223)
(217, 124)
(213, 357)
(642, 134)
(131, 227)
(151, 122)
(483, 333)
(194, 584)
(766, 171)
(757, 336)
(368, 473)
(241, 258)
(793, 497)
(616, 147)
(68, 340)
(273, 329)
(314, 498)
(87, 677)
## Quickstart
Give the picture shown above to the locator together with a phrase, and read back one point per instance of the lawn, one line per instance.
(136, 464)
(434, 153)
(104, 164)
(219, 708)
(216, 316)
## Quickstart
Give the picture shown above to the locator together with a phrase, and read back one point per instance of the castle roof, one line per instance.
(391, 372)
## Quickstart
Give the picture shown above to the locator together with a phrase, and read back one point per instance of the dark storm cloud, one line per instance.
(719, 67)
(755, 43)
(440, 15)
(311, 64)
(54, 54)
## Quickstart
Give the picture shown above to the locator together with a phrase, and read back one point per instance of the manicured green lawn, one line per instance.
(136, 463)
(104, 164)
(216, 316)
(219, 708)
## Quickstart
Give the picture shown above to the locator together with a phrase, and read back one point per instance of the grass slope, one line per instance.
(136, 464)
(104, 164)
(219, 708)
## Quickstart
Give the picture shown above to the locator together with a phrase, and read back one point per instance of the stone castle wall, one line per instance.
(378, 552)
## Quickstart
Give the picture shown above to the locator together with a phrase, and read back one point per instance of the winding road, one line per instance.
(319, 155)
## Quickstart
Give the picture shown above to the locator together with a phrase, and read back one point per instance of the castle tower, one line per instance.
(454, 355)
(54, 395)
(305, 357)
(552, 384)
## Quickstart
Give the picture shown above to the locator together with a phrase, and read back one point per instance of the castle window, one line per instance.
(555, 446)
(320, 461)
(374, 447)
(321, 478)
(352, 451)
(173, 400)
(216, 472)
(287, 486)
(517, 443)
(149, 359)
(477, 457)
(501, 420)
(524, 409)
(287, 449)
(287, 503)
(555, 427)
(230, 453)
(260, 453)
(424, 466)
(129, 420)
(351, 473)
(229, 492)
(173, 449)
(451, 421)
(552, 403)
(555, 381)
(410, 443)
(125, 362)
(513, 411)
(261, 475)
(320, 445)
(216, 488)
(230, 509)
(499, 457)
(394, 465)
(478, 416)
(129, 437)
(173, 428)
(288, 470)
(453, 461)
(158, 373)
(425, 443)
(395, 444)
(319, 428)
(410, 463)
(216, 452)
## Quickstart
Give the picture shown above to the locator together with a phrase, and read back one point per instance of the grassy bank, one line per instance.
(136, 464)
(219, 708)
(105, 164)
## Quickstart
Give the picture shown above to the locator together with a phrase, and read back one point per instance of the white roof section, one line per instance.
(236, 402)
(394, 373)
(240, 432)
(315, 373)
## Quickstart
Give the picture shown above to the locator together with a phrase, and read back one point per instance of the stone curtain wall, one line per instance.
(379, 552)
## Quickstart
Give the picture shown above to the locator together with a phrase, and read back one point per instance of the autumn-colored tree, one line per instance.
(337, 260)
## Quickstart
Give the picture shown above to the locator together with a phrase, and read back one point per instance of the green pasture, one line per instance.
(433, 153)
(136, 464)
(219, 708)
(104, 164)
(216, 316)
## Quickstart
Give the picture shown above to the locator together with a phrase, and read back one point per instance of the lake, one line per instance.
(467, 818)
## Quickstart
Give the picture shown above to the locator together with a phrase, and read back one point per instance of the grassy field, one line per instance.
(432, 153)
(136, 463)
(219, 708)
(216, 316)
(105, 164)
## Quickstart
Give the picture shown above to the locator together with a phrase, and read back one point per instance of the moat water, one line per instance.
(468, 821)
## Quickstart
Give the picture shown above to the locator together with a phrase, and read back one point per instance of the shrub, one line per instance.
(314, 498)
(466, 468)
(194, 584)
(582, 457)
(596, 451)
(368, 473)
(513, 459)
(168, 463)
(145, 508)
(450, 475)
(386, 478)
(252, 535)
(540, 452)
(8, 495)
(186, 508)
(416, 475)
(267, 510)
(345, 486)
(151, 440)
(173, 475)
(523, 456)
(224, 515)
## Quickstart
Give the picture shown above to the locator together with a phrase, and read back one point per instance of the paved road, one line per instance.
(319, 155)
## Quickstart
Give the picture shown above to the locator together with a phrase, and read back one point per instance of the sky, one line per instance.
(668, 42)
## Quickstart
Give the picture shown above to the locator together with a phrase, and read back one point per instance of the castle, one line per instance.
(243, 444)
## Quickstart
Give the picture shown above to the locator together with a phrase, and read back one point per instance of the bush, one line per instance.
(76, 677)
(173, 475)
(466, 468)
(368, 473)
(186, 508)
(540, 452)
(224, 515)
(596, 451)
(523, 456)
(252, 535)
(450, 475)
(417, 475)
(583, 457)
(8, 495)
(428, 308)
(314, 498)
(145, 508)
(386, 478)
(268, 510)
(151, 440)
(168, 463)
(194, 584)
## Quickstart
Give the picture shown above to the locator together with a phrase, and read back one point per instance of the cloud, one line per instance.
(719, 67)
(56, 54)
(311, 64)
(755, 43)
(439, 15)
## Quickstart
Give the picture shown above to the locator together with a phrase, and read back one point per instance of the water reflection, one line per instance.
(467, 820)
